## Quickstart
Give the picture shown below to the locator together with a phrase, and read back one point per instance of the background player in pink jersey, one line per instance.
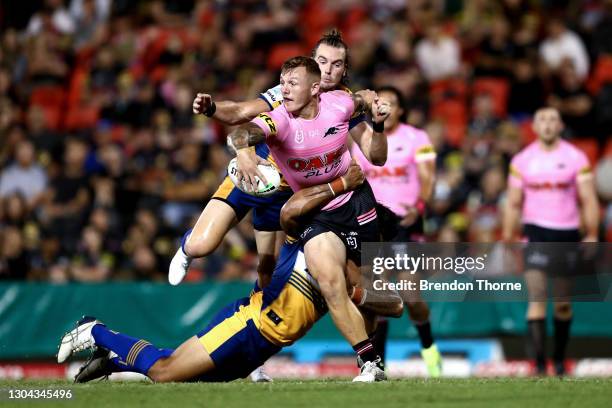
(550, 190)
(403, 186)
(307, 136)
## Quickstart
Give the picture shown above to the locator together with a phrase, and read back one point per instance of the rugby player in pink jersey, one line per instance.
(308, 138)
(228, 205)
(403, 186)
(550, 190)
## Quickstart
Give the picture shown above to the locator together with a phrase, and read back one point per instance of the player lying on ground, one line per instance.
(240, 338)
(229, 205)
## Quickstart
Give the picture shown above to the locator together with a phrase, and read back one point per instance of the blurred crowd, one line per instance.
(103, 166)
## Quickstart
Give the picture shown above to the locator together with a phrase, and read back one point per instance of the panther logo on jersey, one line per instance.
(331, 131)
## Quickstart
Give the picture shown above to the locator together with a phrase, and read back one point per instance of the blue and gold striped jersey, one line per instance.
(292, 302)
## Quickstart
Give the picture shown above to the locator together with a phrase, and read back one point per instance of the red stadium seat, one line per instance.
(48, 96)
(497, 88)
(589, 146)
(78, 82)
(53, 116)
(82, 117)
(528, 135)
(607, 152)
(282, 52)
(602, 74)
(455, 89)
(454, 115)
(318, 16)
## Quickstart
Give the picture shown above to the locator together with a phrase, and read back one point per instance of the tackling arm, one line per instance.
(309, 199)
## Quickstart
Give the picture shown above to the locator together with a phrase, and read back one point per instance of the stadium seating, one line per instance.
(495, 87)
(589, 146)
(454, 115)
(453, 89)
(47, 96)
(81, 117)
(602, 74)
(281, 52)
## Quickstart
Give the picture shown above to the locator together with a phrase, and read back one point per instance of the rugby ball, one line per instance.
(272, 175)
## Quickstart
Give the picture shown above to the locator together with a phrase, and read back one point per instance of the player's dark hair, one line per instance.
(311, 65)
(333, 38)
(401, 101)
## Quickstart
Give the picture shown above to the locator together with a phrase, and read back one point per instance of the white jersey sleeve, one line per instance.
(272, 96)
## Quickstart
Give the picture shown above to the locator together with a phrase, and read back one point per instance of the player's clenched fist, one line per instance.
(354, 176)
(380, 110)
(202, 103)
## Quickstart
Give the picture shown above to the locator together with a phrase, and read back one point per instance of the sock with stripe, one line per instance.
(133, 354)
(184, 240)
(379, 338)
(365, 351)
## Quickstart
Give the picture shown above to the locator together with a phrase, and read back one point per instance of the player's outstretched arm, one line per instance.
(228, 112)
(371, 140)
(311, 198)
(360, 288)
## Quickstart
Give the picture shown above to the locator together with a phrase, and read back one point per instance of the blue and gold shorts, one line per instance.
(233, 341)
(266, 210)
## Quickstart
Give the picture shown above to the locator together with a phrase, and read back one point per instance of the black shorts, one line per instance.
(354, 222)
(552, 250)
(392, 231)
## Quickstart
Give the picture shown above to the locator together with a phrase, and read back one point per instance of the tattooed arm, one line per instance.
(245, 136)
(239, 140)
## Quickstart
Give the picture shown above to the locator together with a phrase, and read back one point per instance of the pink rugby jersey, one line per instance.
(311, 151)
(396, 184)
(548, 180)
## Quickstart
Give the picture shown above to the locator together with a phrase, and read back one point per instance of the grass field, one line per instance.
(333, 393)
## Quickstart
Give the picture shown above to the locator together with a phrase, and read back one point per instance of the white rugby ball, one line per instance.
(270, 173)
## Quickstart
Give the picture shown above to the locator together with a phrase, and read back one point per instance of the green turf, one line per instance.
(522, 393)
